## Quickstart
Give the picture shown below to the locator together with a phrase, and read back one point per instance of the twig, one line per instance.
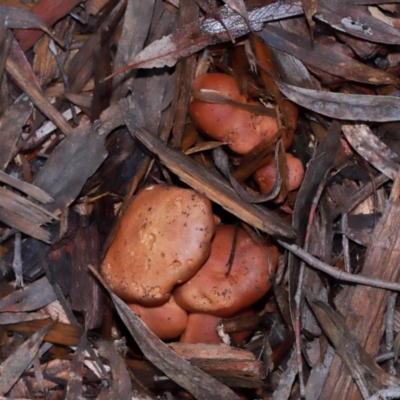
(345, 243)
(297, 297)
(391, 302)
(335, 272)
(17, 261)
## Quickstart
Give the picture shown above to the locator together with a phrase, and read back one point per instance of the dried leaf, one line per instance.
(11, 124)
(75, 381)
(203, 146)
(222, 163)
(71, 164)
(196, 36)
(356, 21)
(36, 295)
(352, 107)
(13, 367)
(21, 19)
(362, 367)
(334, 63)
(365, 143)
(213, 96)
(49, 11)
(195, 381)
(121, 381)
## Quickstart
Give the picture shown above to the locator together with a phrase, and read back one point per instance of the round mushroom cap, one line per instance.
(212, 291)
(266, 175)
(167, 321)
(226, 123)
(163, 239)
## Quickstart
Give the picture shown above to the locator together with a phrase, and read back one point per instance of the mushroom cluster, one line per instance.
(168, 262)
(242, 129)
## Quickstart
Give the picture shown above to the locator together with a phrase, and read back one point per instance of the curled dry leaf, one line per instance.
(356, 21)
(196, 36)
(352, 107)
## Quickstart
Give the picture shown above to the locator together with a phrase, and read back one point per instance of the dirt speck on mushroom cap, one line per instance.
(164, 238)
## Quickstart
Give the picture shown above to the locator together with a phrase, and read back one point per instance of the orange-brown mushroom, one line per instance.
(163, 239)
(167, 321)
(201, 328)
(227, 123)
(214, 292)
(265, 176)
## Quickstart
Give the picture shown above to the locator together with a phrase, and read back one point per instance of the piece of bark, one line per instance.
(364, 307)
(219, 357)
(85, 293)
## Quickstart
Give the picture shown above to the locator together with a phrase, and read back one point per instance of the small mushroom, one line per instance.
(201, 328)
(167, 321)
(163, 239)
(221, 291)
(266, 175)
(227, 123)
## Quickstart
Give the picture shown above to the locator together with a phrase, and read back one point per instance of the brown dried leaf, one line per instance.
(213, 96)
(206, 31)
(203, 146)
(34, 296)
(365, 143)
(356, 21)
(13, 367)
(11, 124)
(71, 164)
(22, 19)
(121, 381)
(362, 367)
(352, 107)
(333, 62)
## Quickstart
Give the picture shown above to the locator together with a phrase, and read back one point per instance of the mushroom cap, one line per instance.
(163, 239)
(211, 291)
(266, 175)
(223, 122)
(167, 321)
(201, 328)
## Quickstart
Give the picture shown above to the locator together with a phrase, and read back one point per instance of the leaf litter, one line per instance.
(328, 66)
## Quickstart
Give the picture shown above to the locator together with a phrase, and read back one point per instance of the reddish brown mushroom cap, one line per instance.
(211, 291)
(201, 328)
(163, 239)
(167, 321)
(265, 176)
(241, 129)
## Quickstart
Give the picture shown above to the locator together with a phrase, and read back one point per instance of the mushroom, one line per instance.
(167, 321)
(242, 129)
(201, 328)
(163, 239)
(221, 291)
(266, 175)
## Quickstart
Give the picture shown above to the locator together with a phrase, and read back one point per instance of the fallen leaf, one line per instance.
(365, 143)
(196, 36)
